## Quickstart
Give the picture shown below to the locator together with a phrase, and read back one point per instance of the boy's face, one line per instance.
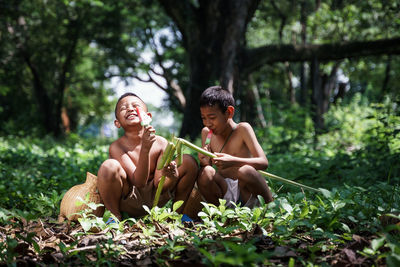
(126, 111)
(214, 119)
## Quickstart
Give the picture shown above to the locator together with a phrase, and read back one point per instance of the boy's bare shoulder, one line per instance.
(115, 149)
(161, 141)
(244, 126)
(117, 143)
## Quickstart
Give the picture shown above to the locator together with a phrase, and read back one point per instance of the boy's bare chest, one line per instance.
(134, 154)
(233, 146)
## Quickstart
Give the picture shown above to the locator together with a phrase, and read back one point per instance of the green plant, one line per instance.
(165, 213)
(234, 254)
(172, 249)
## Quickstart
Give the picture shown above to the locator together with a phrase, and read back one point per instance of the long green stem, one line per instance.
(276, 177)
(198, 149)
(164, 156)
(159, 189)
(264, 173)
(167, 161)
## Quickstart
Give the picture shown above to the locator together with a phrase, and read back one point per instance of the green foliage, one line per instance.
(50, 63)
(360, 148)
(165, 213)
(36, 172)
(355, 161)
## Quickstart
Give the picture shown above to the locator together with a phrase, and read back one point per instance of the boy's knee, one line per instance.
(110, 165)
(109, 169)
(189, 165)
(246, 171)
(205, 175)
(247, 175)
(189, 162)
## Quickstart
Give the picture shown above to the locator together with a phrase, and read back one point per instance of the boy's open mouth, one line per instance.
(131, 116)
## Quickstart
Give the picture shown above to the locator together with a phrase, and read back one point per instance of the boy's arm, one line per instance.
(204, 160)
(142, 172)
(136, 175)
(257, 159)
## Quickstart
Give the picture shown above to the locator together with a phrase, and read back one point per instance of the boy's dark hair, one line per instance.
(123, 96)
(216, 95)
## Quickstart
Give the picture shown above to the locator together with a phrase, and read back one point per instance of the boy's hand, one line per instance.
(204, 160)
(223, 161)
(170, 171)
(148, 137)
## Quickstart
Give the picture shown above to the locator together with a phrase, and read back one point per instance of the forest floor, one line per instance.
(44, 242)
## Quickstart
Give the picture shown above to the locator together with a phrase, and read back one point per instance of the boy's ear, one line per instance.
(117, 124)
(230, 111)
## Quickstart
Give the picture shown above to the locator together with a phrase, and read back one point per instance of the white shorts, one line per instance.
(233, 194)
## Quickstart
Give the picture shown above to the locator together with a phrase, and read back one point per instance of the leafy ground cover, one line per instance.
(353, 221)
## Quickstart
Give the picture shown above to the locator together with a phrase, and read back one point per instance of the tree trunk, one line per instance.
(303, 80)
(259, 108)
(322, 86)
(213, 35)
(341, 92)
(289, 74)
(201, 73)
(46, 106)
(316, 96)
(387, 76)
(248, 103)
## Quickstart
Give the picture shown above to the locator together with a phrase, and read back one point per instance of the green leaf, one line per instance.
(287, 207)
(291, 262)
(147, 209)
(202, 214)
(79, 202)
(86, 224)
(325, 192)
(346, 228)
(93, 205)
(177, 205)
(304, 212)
(377, 243)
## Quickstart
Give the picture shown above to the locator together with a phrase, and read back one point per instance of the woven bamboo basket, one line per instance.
(68, 208)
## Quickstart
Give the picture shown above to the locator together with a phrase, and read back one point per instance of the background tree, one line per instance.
(270, 54)
(49, 63)
(225, 55)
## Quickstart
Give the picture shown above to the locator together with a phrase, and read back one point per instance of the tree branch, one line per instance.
(283, 18)
(257, 57)
(181, 13)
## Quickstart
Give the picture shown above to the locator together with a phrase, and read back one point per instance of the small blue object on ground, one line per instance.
(110, 221)
(186, 218)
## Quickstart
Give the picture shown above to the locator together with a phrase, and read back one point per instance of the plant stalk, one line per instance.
(167, 161)
(263, 173)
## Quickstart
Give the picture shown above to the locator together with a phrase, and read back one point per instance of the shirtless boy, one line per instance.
(129, 178)
(239, 154)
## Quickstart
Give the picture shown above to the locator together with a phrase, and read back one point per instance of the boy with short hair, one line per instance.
(129, 178)
(239, 155)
